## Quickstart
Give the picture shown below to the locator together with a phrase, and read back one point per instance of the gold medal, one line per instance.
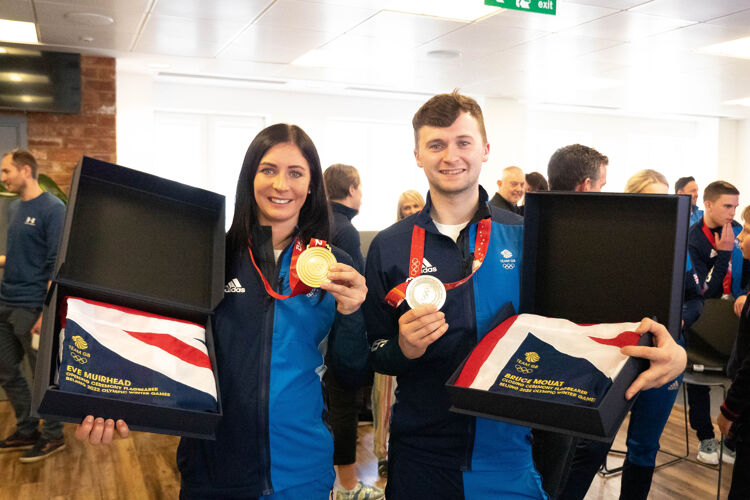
(425, 289)
(313, 265)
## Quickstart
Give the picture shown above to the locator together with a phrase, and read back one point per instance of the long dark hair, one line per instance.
(313, 216)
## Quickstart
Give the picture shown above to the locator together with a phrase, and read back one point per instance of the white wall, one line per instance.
(208, 127)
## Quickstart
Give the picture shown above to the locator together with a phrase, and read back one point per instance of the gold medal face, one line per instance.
(313, 265)
(425, 289)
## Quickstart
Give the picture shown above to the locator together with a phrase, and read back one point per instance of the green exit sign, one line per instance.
(539, 6)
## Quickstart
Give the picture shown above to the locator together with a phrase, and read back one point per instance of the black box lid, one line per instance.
(139, 236)
(605, 258)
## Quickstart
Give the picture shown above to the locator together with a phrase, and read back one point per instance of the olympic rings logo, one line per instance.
(415, 266)
(508, 266)
(523, 369)
(79, 358)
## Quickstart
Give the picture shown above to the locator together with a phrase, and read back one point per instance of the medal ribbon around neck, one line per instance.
(727, 282)
(295, 283)
(481, 243)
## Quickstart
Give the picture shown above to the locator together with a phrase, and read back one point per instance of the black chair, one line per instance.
(710, 342)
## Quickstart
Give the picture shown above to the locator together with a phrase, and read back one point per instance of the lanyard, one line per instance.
(482, 242)
(727, 282)
(295, 283)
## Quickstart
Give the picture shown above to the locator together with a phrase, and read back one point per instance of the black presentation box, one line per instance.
(134, 240)
(593, 258)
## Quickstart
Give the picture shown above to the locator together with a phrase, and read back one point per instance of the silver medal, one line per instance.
(425, 289)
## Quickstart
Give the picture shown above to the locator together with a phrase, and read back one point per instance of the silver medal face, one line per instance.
(425, 289)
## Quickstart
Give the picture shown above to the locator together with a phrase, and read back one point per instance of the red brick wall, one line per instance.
(59, 140)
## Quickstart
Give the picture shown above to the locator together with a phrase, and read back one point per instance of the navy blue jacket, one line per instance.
(711, 266)
(736, 407)
(273, 433)
(345, 236)
(422, 427)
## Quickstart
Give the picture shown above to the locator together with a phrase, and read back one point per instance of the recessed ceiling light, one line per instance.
(8, 76)
(739, 102)
(88, 19)
(17, 31)
(445, 9)
(733, 48)
(444, 54)
(13, 51)
(26, 98)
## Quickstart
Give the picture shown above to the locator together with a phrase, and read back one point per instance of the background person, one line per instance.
(344, 191)
(510, 189)
(272, 442)
(734, 419)
(34, 229)
(722, 273)
(536, 182)
(409, 202)
(687, 185)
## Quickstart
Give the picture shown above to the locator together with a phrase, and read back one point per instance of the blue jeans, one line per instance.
(15, 342)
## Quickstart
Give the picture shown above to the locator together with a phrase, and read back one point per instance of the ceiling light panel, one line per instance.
(407, 30)
(628, 26)
(734, 48)
(692, 10)
(17, 31)
(739, 102)
(264, 44)
(295, 14)
(444, 9)
(225, 10)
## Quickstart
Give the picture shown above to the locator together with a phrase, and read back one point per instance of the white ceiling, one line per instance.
(634, 55)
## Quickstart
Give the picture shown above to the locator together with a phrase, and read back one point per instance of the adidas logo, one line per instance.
(234, 286)
(427, 267)
(673, 386)
(30, 221)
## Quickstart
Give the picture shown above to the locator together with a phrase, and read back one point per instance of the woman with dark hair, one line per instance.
(272, 441)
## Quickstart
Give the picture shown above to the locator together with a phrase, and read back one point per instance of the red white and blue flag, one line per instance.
(548, 358)
(136, 356)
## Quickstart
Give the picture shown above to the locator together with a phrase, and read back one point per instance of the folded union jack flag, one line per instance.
(549, 359)
(127, 354)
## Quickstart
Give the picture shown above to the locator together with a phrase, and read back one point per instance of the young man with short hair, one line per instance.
(35, 226)
(435, 453)
(718, 262)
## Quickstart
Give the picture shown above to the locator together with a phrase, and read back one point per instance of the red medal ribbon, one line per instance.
(296, 285)
(727, 282)
(482, 242)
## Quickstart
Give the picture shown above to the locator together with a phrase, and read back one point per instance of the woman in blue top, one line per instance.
(272, 441)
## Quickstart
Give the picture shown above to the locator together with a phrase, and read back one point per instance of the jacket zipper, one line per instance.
(266, 348)
(463, 250)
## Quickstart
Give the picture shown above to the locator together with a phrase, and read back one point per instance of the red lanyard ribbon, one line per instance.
(727, 282)
(295, 284)
(482, 242)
